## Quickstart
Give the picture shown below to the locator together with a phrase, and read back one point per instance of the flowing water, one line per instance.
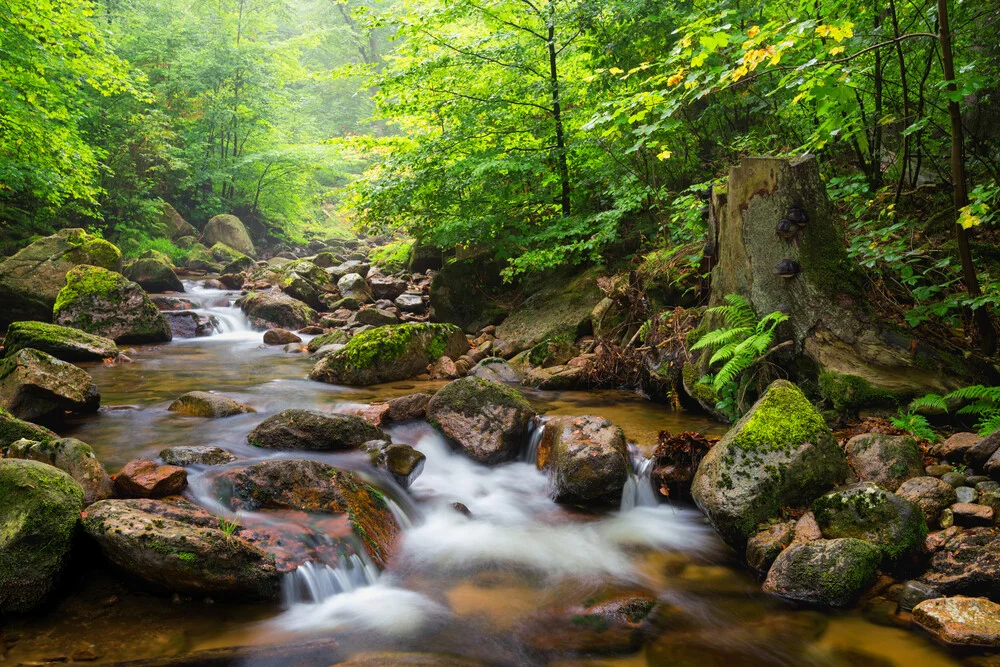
(503, 584)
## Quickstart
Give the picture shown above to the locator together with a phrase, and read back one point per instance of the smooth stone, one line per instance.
(956, 479)
(966, 494)
(196, 455)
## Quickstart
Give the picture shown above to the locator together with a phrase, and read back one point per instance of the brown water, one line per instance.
(504, 587)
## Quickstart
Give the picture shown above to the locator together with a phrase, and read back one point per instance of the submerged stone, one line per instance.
(207, 404)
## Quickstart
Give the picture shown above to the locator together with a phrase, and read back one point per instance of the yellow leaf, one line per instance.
(663, 155)
(676, 78)
(699, 59)
(798, 97)
(753, 32)
(616, 71)
(967, 219)
(837, 50)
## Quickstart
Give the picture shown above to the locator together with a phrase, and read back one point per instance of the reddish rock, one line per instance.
(412, 406)
(806, 529)
(960, 621)
(955, 447)
(374, 414)
(280, 337)
(443, 369)
(142, 478)
(936, 541)
(972, 514)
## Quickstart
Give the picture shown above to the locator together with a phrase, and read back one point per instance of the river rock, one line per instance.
(34, 385)
(405, 408)
(61, 342)
(230, 231)
(353, 286)
(587, 460)
(38, 516)
(954, 448)
(31, 279)
(142, 478)
(403, 462)
(335, 337)
(824, 572)
(930, 493)
(765, 545)
(175, 225)
(170, 303)
(887, 460)
(303, 280)
(280, 337)
(104, 303)
(961, 621)
(207, 404)
(606, 623)
(351, 266)
(196, 455)
(180, 548)
(153, 275)
(276, 309)
(488, 420)
(238, 266)
(966, 494)
(967, 562)
(410, 302)
(496, 369)
(390, 353)
(314, 431)
(312, 486)
(780, 454)
(386, 287)
(867, 512)
(375, 317)
(187, 324)
(13, 429)
(977, 455)
(73, 457)
(969, 515)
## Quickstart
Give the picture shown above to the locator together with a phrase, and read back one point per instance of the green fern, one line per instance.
(914, 424)
(929, 401)
(984, 403)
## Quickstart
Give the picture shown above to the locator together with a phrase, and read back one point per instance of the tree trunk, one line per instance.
(557, 115)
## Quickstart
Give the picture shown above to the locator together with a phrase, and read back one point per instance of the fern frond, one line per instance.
(732, 369)
(979, 408)
(724, 353)
(929, 401)
(976, 392)
(989, 425)
(720, 337)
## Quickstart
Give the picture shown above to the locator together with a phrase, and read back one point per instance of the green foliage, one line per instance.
(134, 245)
(978, 400)
(914, 424)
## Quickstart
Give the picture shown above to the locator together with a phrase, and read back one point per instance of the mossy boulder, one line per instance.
(230, 231)
(61, 342)
(180, 548)
(886, 460)
(13, 429)
(174, 224)
(104, 303)
(36, 385)
(73, 457)
(273, 308)
(200, 258)
(154, 275)
(223, 254)
(780, 454)
(303, 280)
(496, 369)
(31, 279)
(38, 517)
(390, 353)
(314, 431)
(206, 404)
(830, 573)
(354, 286)
(587, 460)
(867, 512)
(487, 420)
(238, 266)
(335, 337)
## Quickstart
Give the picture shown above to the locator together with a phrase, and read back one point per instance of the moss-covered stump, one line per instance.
(31, 279)
(206, 404)
(153, 275)
(36, 385)
(266, 309)
(864, 511)
(780, 454)
(13, 429)
(73, 457)
(314, 431)
(587, 460)
(229, 231)
(831, 573)
(886, 460)
(487, 420)
(61, 342)
(38, 516)
(312, 486)
(180, 548)
(104, 303)
(390, 353)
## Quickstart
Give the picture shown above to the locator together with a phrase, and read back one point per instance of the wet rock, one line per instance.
(970, 515)
(173, 303)
(806, 528)
(312, 486)
(31, 279)
(966, 562)
(587, 460)
(314, 431)
(375, 317)
(390, 353)
(374, 413)
(35, 385)
(180, 548)
(824, 572)
(966, 494)
(443, 369)
(336, 337)
(864, 511)
(386, 287)
(992, 466)
(345, 306)
(496, 369)
(306, 282)
(187, 324)
(781, 454)
(238, 266)
(887, 460)
(196, 455)
(153, 274)
(765, 545)
(354, 286)
(488, 420)
(142, 478)
(613, 623)
(405, 408)
(230, 231)
(200, 259)
(960, 621)
(977, 455)
(403, 462)
(350, 266)
(930, 493)
(61, 342)
(206, 404)
(556, 378)
(276, 309)
(988, 487)
(13, 429)
(280, 337)
(38, 516)
(954, 448)
(407, 659)
(410, 302)
(73, 457)
(915, 592)
(956, 479)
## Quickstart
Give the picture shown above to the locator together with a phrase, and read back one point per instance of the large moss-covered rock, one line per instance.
(824, 572)
(104, 303)
(390, 353)
(303, 280)
(230, 231)
(276, 308)
(314, 431)
(61, 342)
(31, 279)
(587, 460)
(154, 275)
(34, 385)
(13, 429)
(864, 511)
(488, 420)
(335, 337)
(562, 307)
(780, 454)
(39, 511)
(224, 255)
(887, 460)
(73, 457)
(200, 258)
(174, 224)
(180, 548)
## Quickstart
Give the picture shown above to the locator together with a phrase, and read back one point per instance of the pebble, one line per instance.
(915, 592)
(972, 480)
(956, 479)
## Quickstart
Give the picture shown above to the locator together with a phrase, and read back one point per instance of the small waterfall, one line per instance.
(638, 490)
(312, 583)
(218, 305)
(535, 432)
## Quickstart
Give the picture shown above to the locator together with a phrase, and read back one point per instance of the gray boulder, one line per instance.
(230, 231)
(34, 385)
(864, 511)
(886, 460)
(104, 303)
(587, 460)
(314, 431)
(831, 573)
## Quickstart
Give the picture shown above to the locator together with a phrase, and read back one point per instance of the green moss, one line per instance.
(471, 395)
(88, 281)
(52, 338)
(329, 338)
(187, 556)
(783, 418)
(387, 343)
(13, 429)
(872, 514)
(702, 391)
(823, 257)
(593, 622)
(849, 393)
(102, 253)
(224, 254)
